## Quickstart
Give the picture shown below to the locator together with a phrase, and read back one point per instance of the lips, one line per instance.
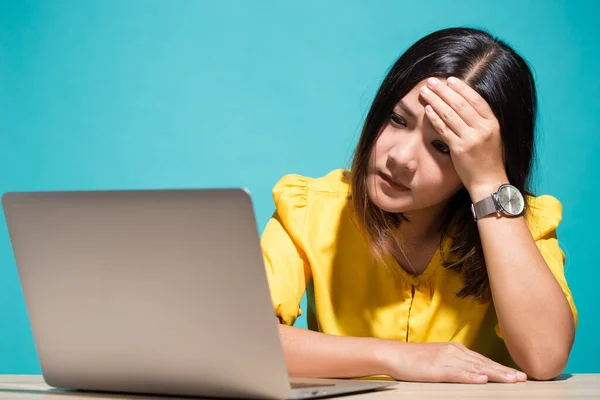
(388, 179)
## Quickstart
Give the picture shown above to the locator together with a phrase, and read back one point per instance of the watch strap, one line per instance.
(484, 207)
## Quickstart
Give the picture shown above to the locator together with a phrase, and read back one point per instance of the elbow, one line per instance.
(544, 360)
(546, 368)
(544, 373)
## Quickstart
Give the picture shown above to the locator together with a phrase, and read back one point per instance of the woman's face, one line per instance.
(410, 168)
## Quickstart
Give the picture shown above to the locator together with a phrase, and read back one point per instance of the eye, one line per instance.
(397, 119)
(441, 147)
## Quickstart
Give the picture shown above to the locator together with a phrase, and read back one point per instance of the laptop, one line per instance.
(153, 291)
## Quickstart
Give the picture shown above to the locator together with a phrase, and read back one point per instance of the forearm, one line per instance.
(318, 355)
(533, 312)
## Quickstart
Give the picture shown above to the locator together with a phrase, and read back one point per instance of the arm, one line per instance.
(533, 312)
(318, 355)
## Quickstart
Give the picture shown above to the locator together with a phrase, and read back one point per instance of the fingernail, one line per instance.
(432, 81)
(521, 376)
(452, 80)
(511, 377)
(425, 90)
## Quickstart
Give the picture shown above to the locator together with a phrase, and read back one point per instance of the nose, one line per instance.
(404, 156)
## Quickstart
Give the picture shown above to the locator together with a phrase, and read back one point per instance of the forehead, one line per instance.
(412, 99)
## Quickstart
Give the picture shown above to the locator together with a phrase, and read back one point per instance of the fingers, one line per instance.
(450, 118)
(496, 372)
(473, 364)
(453, 362)
(501, 367)
(492, 372)
(474, 98)
(455, 100)
(464, 376)
(439, 125)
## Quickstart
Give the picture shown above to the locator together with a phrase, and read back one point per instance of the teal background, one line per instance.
(158, 94)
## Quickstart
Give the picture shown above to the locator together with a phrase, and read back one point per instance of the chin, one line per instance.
(391, 204)
(392, 207)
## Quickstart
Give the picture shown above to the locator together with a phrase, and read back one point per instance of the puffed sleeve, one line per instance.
(287, 267)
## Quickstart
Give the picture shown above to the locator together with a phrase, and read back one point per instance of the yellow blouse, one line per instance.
(311, 243)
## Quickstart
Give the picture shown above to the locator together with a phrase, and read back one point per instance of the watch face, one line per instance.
(511, 200)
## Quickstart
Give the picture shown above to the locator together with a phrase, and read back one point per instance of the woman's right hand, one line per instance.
(444, 362)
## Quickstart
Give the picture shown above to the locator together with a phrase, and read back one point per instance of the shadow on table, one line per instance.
(563, 377)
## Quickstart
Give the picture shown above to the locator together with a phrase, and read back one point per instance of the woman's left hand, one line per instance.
(471, 130)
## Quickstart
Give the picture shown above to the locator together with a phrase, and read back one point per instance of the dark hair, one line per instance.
(504, 80)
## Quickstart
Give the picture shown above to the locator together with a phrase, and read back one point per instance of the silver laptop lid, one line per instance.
(148, 291)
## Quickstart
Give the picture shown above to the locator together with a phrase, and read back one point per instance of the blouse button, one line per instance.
(416, 281)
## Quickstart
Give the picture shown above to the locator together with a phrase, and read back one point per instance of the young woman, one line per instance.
(431, 259)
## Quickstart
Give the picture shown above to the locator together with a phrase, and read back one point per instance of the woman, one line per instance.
(431, 259)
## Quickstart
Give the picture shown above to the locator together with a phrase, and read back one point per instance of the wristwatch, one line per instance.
(506, 199)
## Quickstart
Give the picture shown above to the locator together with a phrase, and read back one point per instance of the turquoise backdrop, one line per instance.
(178, 94)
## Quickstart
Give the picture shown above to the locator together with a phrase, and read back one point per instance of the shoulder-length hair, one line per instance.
(504, 80)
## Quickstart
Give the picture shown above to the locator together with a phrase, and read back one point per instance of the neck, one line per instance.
(418, 240)
(424, 225)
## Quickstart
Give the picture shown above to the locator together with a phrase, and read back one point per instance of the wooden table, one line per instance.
(566, 387)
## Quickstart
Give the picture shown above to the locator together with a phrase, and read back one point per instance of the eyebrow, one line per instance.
(406, 109)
